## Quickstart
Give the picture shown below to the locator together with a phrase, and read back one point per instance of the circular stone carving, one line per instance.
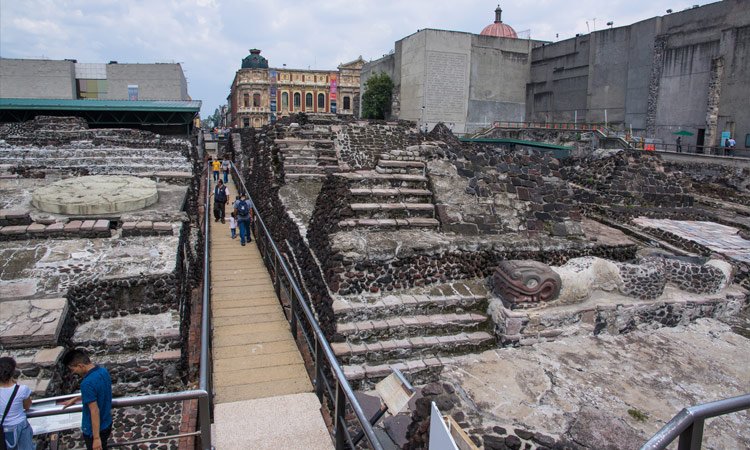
(96, 194)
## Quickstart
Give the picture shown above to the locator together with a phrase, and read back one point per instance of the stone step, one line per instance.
(295, 141)
(390, 192)
(309, 168)
(423, 347)
(409, 326)
(392, 206)
(32, 323)
(401, 156)
(406, 304)
(412, 222)
(373, 175)
(135, 332)
(304, 176)
(36, 362)
(401, 164)
(363, 377)
(399, 170)
(311, 157)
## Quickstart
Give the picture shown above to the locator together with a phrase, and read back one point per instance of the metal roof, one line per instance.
(53, 104)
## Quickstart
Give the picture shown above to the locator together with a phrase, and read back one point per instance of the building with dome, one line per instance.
(261, 94)
(464, 80)
(498, 28)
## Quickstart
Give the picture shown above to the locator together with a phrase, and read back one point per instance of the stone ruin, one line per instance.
(396, 238)
(98, 231)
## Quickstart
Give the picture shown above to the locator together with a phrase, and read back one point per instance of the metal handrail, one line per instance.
(320, 349)
(688, 423)
(204, 394)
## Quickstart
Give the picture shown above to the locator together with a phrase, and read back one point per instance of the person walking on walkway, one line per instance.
(678, 141)
(220, 201)
(96, 396)
(225, 165)
(243, 207)
(216, 167)
(15, 400)
(233, 224)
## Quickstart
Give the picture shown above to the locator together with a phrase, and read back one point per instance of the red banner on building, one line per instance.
(333, 79)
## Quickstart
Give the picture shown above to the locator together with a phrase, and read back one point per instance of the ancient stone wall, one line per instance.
(258, 154)
(360, 144)
(625, 178)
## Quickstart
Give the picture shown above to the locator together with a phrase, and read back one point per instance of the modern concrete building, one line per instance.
(68, 79)
(462, 79)
(683, 71)
(260, 94)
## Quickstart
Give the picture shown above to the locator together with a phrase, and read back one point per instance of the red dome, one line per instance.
(499, 30)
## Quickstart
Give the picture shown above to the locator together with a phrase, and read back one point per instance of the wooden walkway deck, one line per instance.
(254, 354)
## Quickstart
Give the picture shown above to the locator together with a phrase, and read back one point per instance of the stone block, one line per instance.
(128, 226)
(13, 214)
(32, 322)
(87, 225)
(170, 355)
(354, 372)
(54, 228)
(163, 227)
(48, 356)
(13, 230)
(36, 228)
(73, 226)
(144, 225)
(101, 226)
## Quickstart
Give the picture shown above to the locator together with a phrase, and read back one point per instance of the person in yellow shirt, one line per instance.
(216, 167)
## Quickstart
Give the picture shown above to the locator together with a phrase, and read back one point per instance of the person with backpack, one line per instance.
(220, 201)
(243, 207)
(15, 400)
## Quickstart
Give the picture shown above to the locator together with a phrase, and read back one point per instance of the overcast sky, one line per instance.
(210, 37)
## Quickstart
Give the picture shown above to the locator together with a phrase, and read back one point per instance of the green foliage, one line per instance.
(638, 415)
(376, 101)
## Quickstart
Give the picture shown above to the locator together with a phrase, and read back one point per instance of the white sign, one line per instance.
(58, 422)
(440, 435)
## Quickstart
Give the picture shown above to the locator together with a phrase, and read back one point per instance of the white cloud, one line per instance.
(210, 37)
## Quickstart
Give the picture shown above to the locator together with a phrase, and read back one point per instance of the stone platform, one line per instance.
(603, 391)
(31, 323)
(96, 194)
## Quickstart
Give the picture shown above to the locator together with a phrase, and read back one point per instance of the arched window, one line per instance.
(245, 122)
(256, 100)
(347, 104)
(297, 100)
(321, 101)
(285, 100)
(256, 123)
(308, 101)
(245, 100)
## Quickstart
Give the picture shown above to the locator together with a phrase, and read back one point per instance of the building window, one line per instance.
(256, 100)
(245, 122)
(245, 100)
(91, 88)
(321, 101)
(285, 100)
(347, 104)
(297, 100)
(308, 101)
(303, 78)
(256, 123)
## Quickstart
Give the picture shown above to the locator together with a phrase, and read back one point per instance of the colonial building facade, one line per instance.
(260, 95)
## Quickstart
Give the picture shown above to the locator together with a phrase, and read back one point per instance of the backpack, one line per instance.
(221, 194)
(243, 209)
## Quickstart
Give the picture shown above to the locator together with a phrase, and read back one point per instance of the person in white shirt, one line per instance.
(15, 400)
(233, 224)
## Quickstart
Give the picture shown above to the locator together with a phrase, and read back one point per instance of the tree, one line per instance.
(376, 101)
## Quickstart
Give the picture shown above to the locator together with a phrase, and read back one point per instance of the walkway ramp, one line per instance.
(263, 395)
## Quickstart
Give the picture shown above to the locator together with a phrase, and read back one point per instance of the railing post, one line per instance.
(293, 315)
(205, 422)
(340, 414)
(319, 369)
(692, 437)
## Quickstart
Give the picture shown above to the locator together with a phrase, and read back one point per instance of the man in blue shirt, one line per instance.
(96, 396)
(244, 209)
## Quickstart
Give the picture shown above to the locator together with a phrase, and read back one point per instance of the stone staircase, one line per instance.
(308, 158)
(95, 160)
(395, 195)
(417, 333)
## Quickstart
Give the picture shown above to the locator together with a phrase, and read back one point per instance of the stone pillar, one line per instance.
(714, 96)
(657, 66)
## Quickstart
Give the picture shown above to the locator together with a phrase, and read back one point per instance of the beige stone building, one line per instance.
(260, 95)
